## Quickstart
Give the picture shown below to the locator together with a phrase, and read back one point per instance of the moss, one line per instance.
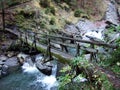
(78, 13)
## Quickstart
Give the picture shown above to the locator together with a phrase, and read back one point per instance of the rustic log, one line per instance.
(86, 41)
(91, 54)
(77, 50)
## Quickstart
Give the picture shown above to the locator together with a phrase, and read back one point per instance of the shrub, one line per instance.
(45, 3)
(78, 13)
(52, 21)
(50, 10)
(42, 24)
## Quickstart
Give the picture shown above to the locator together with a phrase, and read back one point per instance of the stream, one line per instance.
(28, 77)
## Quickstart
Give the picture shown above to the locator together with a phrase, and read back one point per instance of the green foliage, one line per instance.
(96, 81)
(106, 85)
(115, 57)
(52, 21)
(116, 68)
(112, 61)
(66, 79)
(118, 41)
(78, 12)
(81, 61)
(50, 10)
(42, 24)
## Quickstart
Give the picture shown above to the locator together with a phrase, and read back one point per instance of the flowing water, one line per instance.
(29, 78)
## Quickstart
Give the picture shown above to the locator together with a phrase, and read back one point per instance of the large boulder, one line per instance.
(21, 58)
(45, 68)
(3, 57)
(12, 63)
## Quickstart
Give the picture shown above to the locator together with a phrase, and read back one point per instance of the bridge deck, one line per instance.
(62, 56)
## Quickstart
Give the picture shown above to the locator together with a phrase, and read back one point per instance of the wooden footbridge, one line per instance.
(48, 44)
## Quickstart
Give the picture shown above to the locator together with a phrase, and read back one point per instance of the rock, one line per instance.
(38, 57)
(12, 63)
(21, 58)
(0, 73)
(111, 13)
(10, 54)
(4, 47)
(29, 60)
(71, 29)
(1, 63)
(118, 1)
(21, 61)
(3, 57)
(4, 70)
(79, 79)
(45, 69)
(0, 67)
(22, 55)
(4, 73)
(87, 56)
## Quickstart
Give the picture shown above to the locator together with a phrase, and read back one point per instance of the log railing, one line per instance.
(64, 42)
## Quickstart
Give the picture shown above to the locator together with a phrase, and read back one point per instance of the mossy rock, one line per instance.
(78, 13)
(85, 16)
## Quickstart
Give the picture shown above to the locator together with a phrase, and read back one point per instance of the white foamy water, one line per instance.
(93, 34)
(29, 69)
(49, 81)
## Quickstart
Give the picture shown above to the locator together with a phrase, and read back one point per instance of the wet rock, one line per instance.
(4, 68)
(1, 63)
(3, 57)
(0, 73)
(4, 71)
(0, 67)
(38, 57)
(44, 68)
(12, 63)
(21, 58)
(29, 60)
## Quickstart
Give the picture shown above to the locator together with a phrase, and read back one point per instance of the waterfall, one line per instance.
(47, 82)
(27, 68)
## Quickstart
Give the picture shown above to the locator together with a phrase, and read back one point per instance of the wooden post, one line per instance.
(91, 54)
(64, 47)
(33, 43)
(3, 14)
(35, 40)
(20, 37)
(49, 50)
(26, 37)
(77, 50)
